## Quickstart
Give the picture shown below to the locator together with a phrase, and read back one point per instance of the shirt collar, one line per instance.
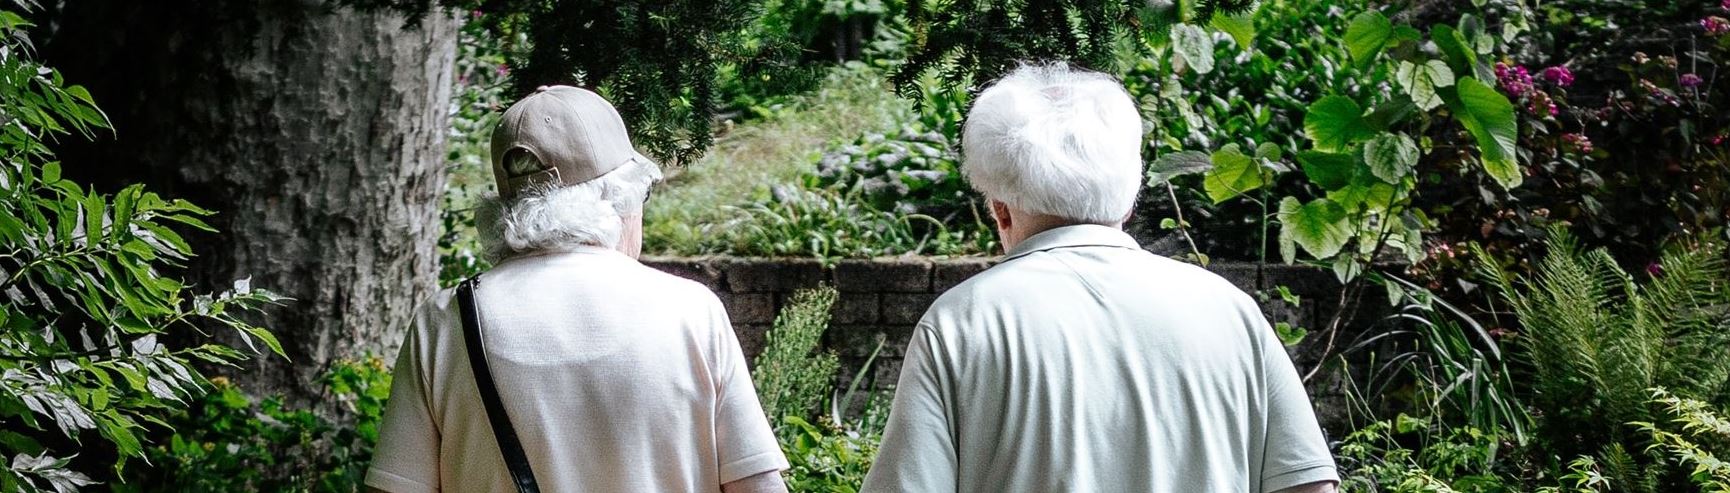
(1080, 235)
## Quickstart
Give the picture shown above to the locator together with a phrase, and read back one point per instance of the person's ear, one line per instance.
(1000, 213)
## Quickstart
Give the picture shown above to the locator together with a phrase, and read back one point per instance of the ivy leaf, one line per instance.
(1241, 27)
(1391, 156)
(1335, 122)
(1489, 117)
(1368, 33)
(1194, 45)
(1328, 170)
(1233, 174)
(1320, 227)
(1177, 164)
(1421, 81)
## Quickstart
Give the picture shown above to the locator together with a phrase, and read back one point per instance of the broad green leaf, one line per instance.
(1320, 227)
(1233, 174)
(1194, 45)
(1328, 170)
(1335, 122)
(1241, 27)
(1365, 194)
(1347, 268)
(1421, 81)
(1177, 164)
(1268, 151)
(1391, 156)
(1459, 53)
(1368, 33)
(1489, 117)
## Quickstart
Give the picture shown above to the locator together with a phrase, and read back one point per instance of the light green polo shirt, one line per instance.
(1084, 363)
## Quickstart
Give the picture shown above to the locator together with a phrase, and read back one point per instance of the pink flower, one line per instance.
(502, 70)
(1516, 80)
(1715, 25)
(1690, 80)
(1561, 76)
(1725, 5)
(1655, 269)
(1578, 143)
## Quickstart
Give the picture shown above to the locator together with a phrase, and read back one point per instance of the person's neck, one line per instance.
(1030, 225)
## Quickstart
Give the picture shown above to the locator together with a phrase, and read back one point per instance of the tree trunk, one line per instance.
(316, 133)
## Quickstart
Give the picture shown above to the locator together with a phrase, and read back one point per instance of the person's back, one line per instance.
(613, 374)
(1083, 363)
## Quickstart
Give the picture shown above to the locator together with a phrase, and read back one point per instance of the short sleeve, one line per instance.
(918, 450)
(1294, 451)
(744, 443)
(406, 458)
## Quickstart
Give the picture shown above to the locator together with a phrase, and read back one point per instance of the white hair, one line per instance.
(1050, 139)
(560, 218)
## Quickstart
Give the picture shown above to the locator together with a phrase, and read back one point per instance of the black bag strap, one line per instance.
(515, 459)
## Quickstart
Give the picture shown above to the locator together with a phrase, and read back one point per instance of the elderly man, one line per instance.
(609, 375)
(1082, 362)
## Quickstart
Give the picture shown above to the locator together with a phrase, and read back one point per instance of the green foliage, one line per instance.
(832, 225)
(90, 295)
(231, 441)
(965, 39)
(1596, 339)
(1377, 458)
(658, 62)
(794, 379)
(910, 172)
(476, 102)
(1435, 360)
(1702, 435)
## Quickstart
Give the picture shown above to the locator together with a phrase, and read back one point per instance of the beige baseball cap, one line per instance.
(572, 135)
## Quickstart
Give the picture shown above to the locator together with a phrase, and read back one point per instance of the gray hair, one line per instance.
(1055, 140)
(553, 217)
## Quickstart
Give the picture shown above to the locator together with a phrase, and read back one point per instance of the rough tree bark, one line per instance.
(316, 133)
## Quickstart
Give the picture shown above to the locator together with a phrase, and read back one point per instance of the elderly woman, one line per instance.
(570, 366)
(1082, 362)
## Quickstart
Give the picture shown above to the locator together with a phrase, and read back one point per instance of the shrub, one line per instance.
(1696, 435)
(793, 376)
(1596, 339)
(231, 441)
(90, 295)
(827, 450)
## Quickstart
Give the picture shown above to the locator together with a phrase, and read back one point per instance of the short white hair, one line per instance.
(1055, 140)
(561, 218)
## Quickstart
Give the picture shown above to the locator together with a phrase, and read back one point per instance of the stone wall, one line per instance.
(884, 298)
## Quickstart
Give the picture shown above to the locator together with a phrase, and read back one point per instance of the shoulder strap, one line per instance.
(515, 459)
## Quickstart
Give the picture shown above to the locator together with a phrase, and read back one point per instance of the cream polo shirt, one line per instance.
(1083, 363)
(616, 376)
